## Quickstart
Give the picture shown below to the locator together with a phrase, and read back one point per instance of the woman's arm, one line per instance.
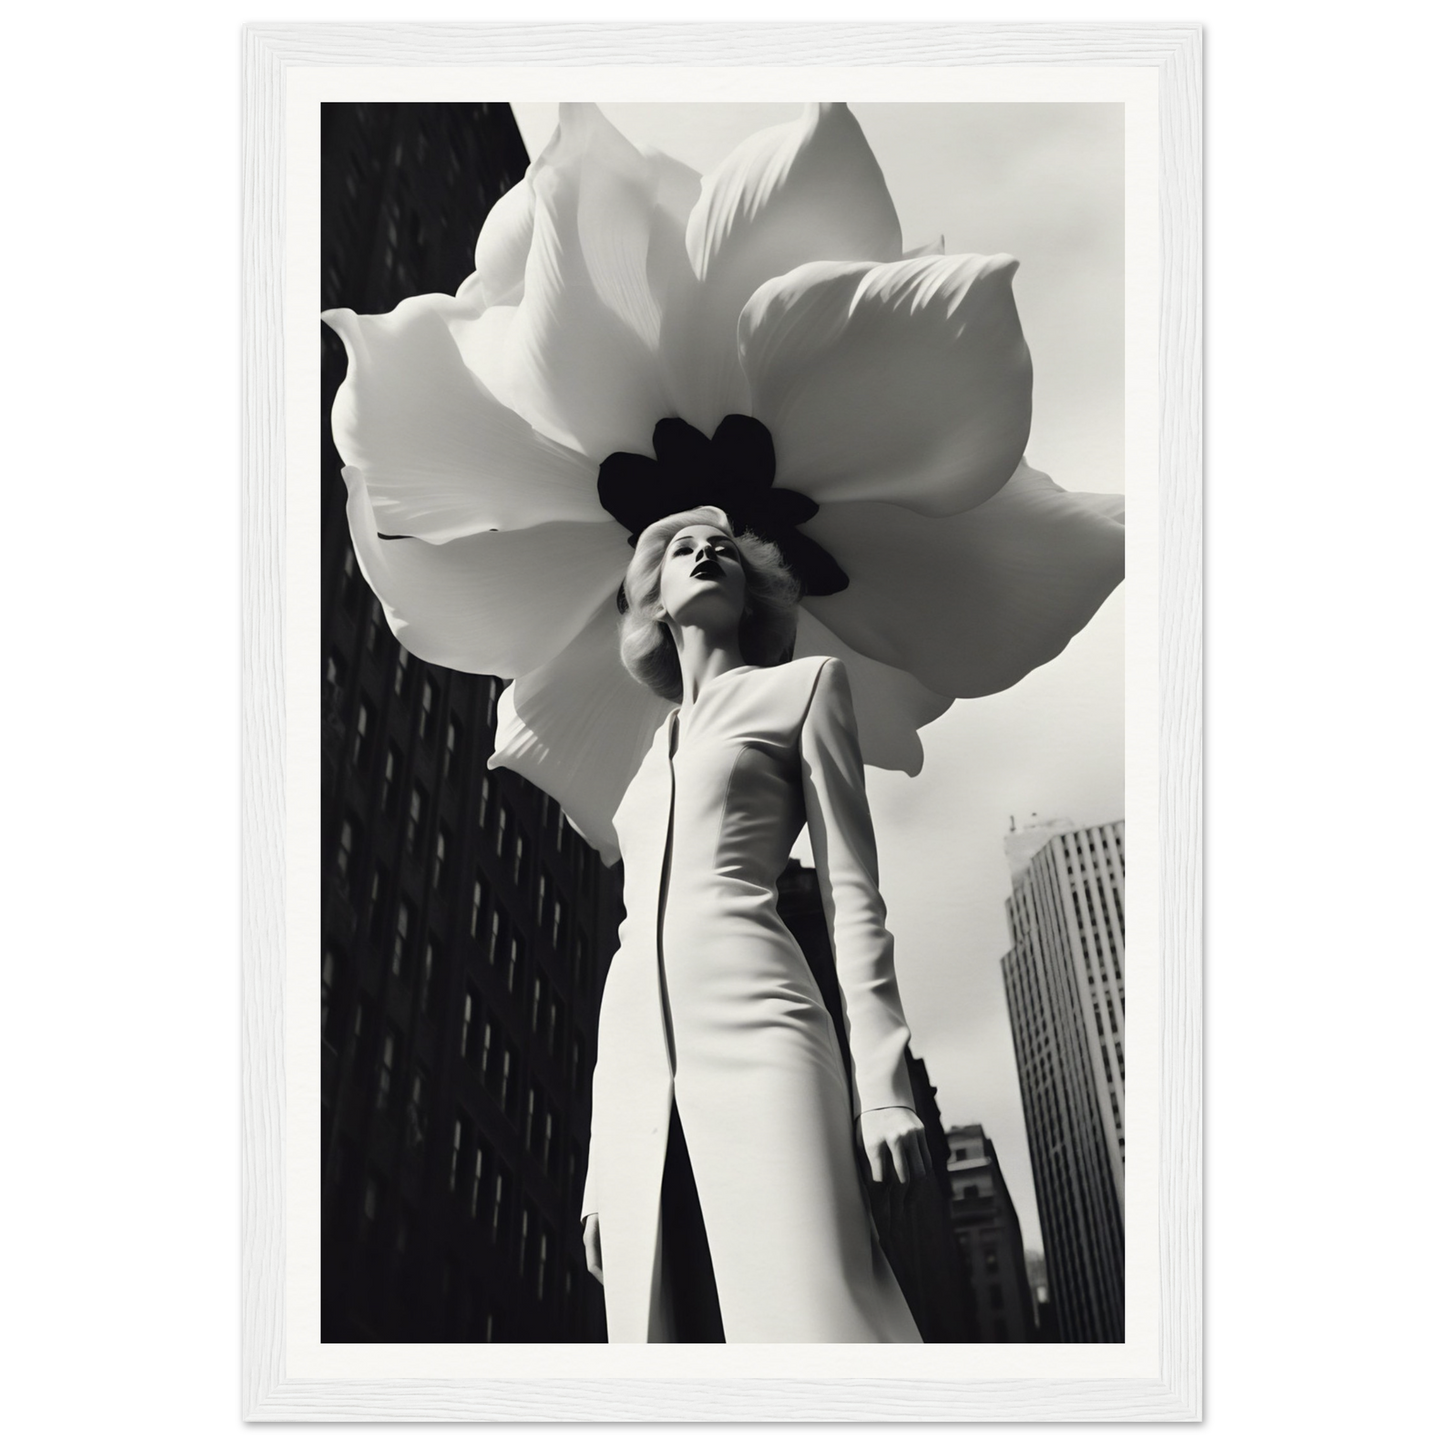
(846, 855)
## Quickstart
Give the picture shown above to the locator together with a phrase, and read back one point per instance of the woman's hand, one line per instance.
(893, 1144)
(592, 1245)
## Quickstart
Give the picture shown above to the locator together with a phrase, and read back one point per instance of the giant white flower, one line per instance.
(616, 289)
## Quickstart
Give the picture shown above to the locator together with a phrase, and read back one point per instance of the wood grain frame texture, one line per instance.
(1175, 1393)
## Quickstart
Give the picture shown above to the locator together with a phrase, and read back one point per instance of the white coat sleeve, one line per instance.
(846, 856)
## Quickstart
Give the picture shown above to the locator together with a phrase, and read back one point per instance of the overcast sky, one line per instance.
(1043, 182)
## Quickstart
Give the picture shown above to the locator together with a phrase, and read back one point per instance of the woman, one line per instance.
(724, 1117)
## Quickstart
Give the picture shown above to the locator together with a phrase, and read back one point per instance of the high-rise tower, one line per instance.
(466, 927)
(1064, 977)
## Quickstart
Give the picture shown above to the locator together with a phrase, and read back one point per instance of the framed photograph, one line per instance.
(783, 1026)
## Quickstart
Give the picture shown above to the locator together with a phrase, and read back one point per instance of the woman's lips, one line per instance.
(707, 569)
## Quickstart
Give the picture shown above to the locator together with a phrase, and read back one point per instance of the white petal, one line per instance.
(502, 246)
(971, 603)
(928, 248)
(578, 728)
(890, 706)
(482, 341)
(442, 457)
(907, 383)
(501, 603)
(810, 190)
(581, 356)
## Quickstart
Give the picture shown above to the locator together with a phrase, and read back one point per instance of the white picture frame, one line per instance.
(272, 1389)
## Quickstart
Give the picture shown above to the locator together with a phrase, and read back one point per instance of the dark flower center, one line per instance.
(733, 471)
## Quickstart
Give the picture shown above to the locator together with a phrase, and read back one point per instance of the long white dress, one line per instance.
(710, 1004)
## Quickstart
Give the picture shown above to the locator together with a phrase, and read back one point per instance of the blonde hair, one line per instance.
(769, 622)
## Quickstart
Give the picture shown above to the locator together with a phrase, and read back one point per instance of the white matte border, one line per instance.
(287, 1374)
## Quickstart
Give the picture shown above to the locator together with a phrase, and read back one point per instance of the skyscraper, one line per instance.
(990, 1244)
(466, 927)
(1064, 977)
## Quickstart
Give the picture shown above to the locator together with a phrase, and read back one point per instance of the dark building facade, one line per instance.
(466, 927)
(990, 1244)
(1064, 978)
(917, 1233)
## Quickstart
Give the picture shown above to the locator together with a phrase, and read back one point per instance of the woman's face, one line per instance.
(703, 583)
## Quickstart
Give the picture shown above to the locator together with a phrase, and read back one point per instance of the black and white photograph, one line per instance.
(722, 723)
(729, 700)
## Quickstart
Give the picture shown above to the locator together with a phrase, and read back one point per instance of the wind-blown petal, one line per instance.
(890, 706)
(442, 456)
(810, 190)
(908, 383)
(502, 246)
(502, 603)
(578, 728)
(581, 354)
(969, 604)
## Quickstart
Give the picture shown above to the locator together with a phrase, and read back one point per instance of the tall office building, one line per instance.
(466, 927)
(990, 1243)
(1064, 977)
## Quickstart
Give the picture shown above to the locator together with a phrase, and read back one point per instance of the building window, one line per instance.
(428, 977)
(484, 801)
(344, 847)
(379, 881)
(384, 1073)
(516, 963)
(556, 926)
(350, 582)
(501, 1205)
(416, 811)
(402, 676)
(479, 898)
(538, 990)
(328, 982)
(479, 1170)
(491, 702)
(990, 1259)
(494, 938)
(468, 1008)
(504, 829)
(417, 1107)
(370, 1204)
(428, 699)
(519, 859)
(398, 946)
(439, 858)
(389, 776)
(524, 1242)
(530, 1122)
(461, 1134)
(549, 1130)
(505, 1081)
(373, 626)
(544, 894)
(454, 738)
(543, 1261)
